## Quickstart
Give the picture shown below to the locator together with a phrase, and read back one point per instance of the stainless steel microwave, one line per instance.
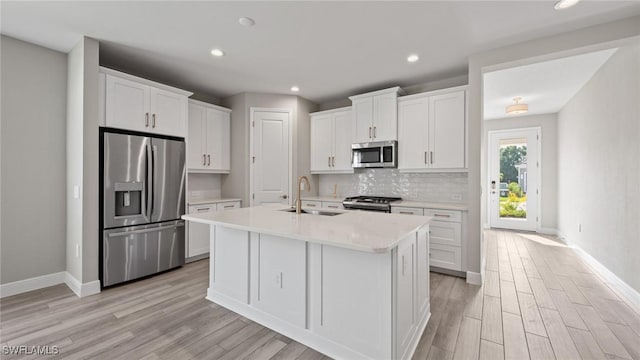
(380, 154)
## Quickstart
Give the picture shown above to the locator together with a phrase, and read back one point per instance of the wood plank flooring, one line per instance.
(539, 301)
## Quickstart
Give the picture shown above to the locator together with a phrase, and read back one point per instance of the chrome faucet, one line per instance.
(298, 200)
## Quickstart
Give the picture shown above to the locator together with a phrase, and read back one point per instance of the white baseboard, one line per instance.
(548, 231)
(474, 278)
(34, 283)
(40, 282)
(616, 284)
(80, 289)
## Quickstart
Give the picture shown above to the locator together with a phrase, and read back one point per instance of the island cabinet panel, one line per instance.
(230, 263)
(351, 294)
(405, 310)
(280, 284)
(422, 273)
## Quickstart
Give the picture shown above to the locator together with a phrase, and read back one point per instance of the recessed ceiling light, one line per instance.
(563, 4)
(217, 52)
(413, 58)
(295, 89)
(246, 21)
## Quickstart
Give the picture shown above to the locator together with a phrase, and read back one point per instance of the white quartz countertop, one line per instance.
(356, 230)
(430, 205)
(211, 201)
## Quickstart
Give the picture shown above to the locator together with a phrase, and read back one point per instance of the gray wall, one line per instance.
(549, 184)
(567, 44)
(82, 161)
(33, 235)
(599, 166)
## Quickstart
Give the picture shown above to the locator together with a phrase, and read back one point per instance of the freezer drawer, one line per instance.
(137, 251)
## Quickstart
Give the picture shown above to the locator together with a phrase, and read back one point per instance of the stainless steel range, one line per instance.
(369, 203)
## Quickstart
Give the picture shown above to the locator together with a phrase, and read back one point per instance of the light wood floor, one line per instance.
(539, 301)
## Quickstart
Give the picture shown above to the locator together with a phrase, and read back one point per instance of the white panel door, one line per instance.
(343, 139)
(446, 130)
(197, 158)
(218, 144)
(514, 164)
(127, 104)
(270, 158)
(321, 142)
(385, 117)
(168, 112)
(362, 118)
(413, 127)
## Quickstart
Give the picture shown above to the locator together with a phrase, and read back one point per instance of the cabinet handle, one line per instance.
(403, 266)
(208, 159)
(153, 120)
(370, 132)
(333, 161)
(146, 120)
(425, 157)
(332, 206)
(204, 209)
(311, 205)
(329, 161)
(442, 215)
(228, 206)
(431, 157)
(204, 159)
(374, 132)
(406, 212)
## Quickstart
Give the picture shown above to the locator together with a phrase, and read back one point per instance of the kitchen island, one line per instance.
(352, 285)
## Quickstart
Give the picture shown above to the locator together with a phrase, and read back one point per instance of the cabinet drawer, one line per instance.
(446, 257)
(311, 204)
(445, 233)
(194, 209)
(228, 205)
(332, 205)
(444, 215)
(407, 211)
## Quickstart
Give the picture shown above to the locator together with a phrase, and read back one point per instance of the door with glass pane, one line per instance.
(514, 167)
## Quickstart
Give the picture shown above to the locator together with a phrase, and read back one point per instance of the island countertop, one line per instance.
(356, 230)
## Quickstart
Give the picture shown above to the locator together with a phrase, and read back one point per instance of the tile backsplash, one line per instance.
(204, 186)
(435, 187)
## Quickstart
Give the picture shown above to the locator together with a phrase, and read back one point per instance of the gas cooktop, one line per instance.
(372, 203)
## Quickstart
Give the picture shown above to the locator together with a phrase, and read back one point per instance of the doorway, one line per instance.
(514, 178)
(270, 149)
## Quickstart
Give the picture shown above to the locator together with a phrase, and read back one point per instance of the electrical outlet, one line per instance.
(77, 250)
(76, 191)
(579, 227)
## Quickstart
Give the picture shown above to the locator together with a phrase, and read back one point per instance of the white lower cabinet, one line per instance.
(198, 234)
(345, 303)
(445, 238)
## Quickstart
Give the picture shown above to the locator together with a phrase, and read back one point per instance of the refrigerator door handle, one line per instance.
(149, 181)
(152, 181)
(142, 231)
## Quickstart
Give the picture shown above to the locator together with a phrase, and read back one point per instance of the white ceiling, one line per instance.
(329, 49)
(546, 86)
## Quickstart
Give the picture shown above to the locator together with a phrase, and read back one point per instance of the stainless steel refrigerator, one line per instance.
(143, 198)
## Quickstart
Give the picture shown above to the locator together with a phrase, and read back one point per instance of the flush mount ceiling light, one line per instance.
(217, 52)
(413, 58)
(295, 89)
(564, 4)
(517, 108)
(246, 21)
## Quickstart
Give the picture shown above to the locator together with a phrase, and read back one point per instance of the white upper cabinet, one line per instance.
(141, 105)
(432, 131)
(331, 140)
(375, 115)
(209, 147)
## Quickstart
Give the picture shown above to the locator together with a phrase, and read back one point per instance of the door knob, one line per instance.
(285, 196)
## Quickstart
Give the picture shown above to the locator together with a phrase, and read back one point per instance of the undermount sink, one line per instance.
(313, 212)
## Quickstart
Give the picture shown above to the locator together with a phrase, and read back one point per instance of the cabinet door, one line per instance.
(446, 130)
(362, 119)
(218, 132)
(321, 142)
(196, 159)
(127, 105)
(385, 117)
(343, 139)
(198, 243)
(446, 233)
(405, 295)
(168, 112)
(446, 257)
(413, 127)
